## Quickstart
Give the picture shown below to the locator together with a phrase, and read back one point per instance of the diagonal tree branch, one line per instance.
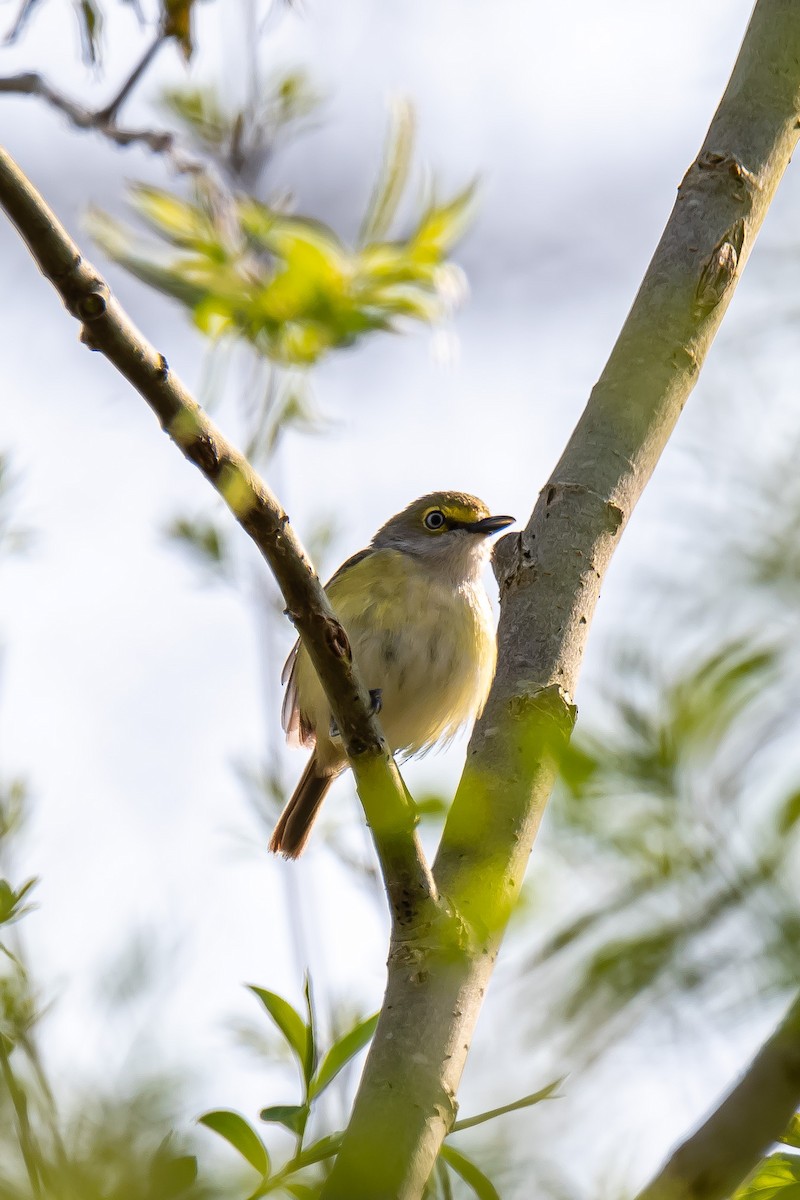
(106, 327)
(550, 579)
(714, 1160)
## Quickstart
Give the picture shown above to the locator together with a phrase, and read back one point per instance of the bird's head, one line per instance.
(448, 530)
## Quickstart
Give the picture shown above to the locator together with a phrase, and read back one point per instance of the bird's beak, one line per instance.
(490, 525)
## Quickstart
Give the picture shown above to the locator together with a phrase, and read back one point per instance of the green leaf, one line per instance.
(205, 541)
(776, 1178)
(791, 1135)
(481, 1185)
(393, 176)
(789, 814)
(11, 901)
(90, 20)
(432, 807)
(176, 22)
(292, 1116)
(287, 285)
(177, 221)
(310, 1062)
(239, 1134)
(318, 1151)
(544, 1093)
(288, 1020)
(442, 226)
(171, 1176)
(341, 1053)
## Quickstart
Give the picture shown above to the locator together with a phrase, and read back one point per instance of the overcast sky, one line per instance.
(127, 691)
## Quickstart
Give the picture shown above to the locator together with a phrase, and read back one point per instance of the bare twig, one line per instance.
(106, 327)
(21, 20)
(30, 83)
(108, 114)
(715, 1159)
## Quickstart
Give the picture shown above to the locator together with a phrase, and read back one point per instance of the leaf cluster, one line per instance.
(286, 284)
(692, 858)
(317, 1071)
(297, 1176)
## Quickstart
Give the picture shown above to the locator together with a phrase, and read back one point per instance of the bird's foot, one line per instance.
(376, 698)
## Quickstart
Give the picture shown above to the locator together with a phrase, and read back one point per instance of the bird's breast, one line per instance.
(429, 648)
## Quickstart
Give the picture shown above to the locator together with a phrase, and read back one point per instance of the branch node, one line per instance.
(616, 516)
(204, 453)
(713, 160)
(338, 639)
(720, 269)
(91, 306)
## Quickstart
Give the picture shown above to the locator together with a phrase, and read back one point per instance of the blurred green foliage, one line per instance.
(691, 857)
(303, 1173)
(241, 140)
(286, 284)
(174, 21)
(777, 1178)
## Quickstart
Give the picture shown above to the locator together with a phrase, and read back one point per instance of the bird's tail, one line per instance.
(294, 825)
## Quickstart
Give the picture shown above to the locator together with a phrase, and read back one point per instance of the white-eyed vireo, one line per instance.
(420, 626)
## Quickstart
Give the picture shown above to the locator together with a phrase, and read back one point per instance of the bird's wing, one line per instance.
(298, 731)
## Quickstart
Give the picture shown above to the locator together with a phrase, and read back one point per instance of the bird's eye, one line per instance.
(434, 519)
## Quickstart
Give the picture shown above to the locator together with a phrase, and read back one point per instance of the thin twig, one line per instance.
(30, 83)
(107, 328)
(25, 1133)
(109, 113)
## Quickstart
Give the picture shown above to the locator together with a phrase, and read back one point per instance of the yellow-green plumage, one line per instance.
(421, 631)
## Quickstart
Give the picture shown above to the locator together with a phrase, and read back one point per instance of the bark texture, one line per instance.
(550, 579)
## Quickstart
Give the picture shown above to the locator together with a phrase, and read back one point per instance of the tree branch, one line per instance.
(29, 83)
(723, 1151)
(108, 114)
(106, 327)
(550, 579)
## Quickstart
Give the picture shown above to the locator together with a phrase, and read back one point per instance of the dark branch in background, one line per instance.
(713, 1161)
(101, 120)
(106, 327)
(109, 113)
(29, 83)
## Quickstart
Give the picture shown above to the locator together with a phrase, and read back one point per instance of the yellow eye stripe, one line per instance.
(455, 514)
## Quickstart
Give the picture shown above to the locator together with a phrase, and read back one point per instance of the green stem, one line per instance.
(27, 1143)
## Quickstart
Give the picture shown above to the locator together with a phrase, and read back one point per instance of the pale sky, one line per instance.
(127, 691)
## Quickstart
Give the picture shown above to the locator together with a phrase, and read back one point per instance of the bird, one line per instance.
(421, 630)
